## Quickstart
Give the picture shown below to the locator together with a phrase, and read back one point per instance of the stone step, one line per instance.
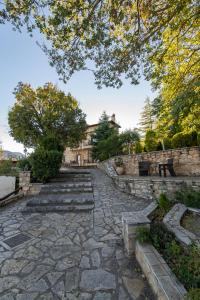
(66, 185)
(69, 179)
(58, 208)
(64, 190)
(61, 199)
(74, 175)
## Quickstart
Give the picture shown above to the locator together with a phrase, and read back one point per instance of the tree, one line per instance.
(117, 36)
(150, 141)
(105, 139)
(146, 119)
(45, 112)
(129, 138)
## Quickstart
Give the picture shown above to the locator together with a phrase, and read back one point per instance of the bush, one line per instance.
(51, 143)
(143, 235)
(167, 143)
(150, 141)
(119, 162)
(138, 147)
(7, 168)
(45, 164)
(193, 294)
(163, 203)
(188, 197)
(181, 139)
(24, 164)
(185, 263)
(198, 139)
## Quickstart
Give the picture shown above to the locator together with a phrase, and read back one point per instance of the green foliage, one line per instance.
(45, 112)
(129, 138)
(143, 234)
(45, 163)
(146, 117)
(105, 140)
(119, 162)
(188, 197)
(181, 139)
(116, 36)
(24, 164)
(193, 294)
(167, 143)
(7, 168)
(138, 147)
(185, 263)
(164, 203)
(150, 141)
(52, 143)
(198, 139)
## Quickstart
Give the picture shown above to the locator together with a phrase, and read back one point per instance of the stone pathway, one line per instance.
(71, 256)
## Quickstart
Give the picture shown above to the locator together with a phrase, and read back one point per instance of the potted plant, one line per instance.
(119, 166)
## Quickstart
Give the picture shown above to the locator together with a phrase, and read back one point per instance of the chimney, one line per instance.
(113, 118)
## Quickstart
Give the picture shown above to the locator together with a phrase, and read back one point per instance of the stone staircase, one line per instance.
(70, 191)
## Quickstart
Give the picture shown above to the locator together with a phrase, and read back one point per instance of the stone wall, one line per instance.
(28, 188)
(7, 185)
(186, 161)
(151, 187)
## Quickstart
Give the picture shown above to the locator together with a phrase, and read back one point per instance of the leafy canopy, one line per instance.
(116, 36)
(45, 112)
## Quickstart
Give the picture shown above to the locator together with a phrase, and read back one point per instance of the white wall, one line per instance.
(7, 185)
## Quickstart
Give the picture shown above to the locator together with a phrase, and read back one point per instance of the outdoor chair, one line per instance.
(167, 166)
(144, 167)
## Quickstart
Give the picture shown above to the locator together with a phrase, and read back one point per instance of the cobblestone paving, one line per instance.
(71, 256)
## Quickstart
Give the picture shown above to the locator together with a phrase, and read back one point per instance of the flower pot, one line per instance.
(120, 170)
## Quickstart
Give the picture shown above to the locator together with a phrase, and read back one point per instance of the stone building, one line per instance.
(82, 156)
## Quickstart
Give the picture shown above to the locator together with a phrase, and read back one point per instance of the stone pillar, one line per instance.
(131, 221)
(24, 180)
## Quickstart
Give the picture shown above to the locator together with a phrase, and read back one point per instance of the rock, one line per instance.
(8, 282)
(134, 286)
(71, 278)
(102, 296)
(96, 261)
(85, 262)
(94, 280)
(13, 266)
(53, 277)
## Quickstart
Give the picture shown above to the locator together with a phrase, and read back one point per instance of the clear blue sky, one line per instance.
(22, 60)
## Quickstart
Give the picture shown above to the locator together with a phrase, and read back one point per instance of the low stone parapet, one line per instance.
(162, 280)
(172, 222)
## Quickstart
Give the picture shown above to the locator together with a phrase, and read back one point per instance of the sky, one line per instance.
(22, 60)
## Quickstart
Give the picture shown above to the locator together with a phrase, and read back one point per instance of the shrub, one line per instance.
(51, 143)
(198, 139)
(185, 263)
(188, 197)
(163, 203)
(7, 169)
(181, 139)
(167, 143)
(150, 141)
(45, 164)
(193, 294)
(143, 234)
(119, 162)
(138, 147)
(24, 164)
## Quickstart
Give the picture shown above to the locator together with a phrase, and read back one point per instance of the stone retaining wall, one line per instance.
(152, 187)
(186, 161)
(163, 282)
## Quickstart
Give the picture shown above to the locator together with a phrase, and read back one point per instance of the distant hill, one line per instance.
(12, 155)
